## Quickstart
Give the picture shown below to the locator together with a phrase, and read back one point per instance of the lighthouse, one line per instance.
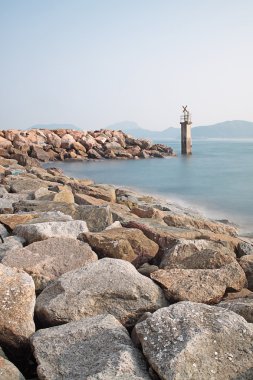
(186, 140)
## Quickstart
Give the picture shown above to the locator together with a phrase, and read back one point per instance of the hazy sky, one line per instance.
(96, 62)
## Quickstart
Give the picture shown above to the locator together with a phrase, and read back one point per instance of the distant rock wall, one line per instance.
(47, 145)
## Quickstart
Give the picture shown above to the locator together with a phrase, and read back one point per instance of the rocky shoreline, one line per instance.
(101, 282)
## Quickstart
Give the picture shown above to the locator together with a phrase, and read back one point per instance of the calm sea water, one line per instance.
(217, 179)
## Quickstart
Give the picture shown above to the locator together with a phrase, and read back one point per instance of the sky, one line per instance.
(94, 63)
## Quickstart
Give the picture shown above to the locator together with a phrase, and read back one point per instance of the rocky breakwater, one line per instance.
(99, 282)
(47, 145)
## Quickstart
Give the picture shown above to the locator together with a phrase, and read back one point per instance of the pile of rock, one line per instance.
(99, 282)
(46, 145)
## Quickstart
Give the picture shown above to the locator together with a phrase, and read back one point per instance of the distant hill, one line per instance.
(234, 129)
(56, 126)
(132, 128)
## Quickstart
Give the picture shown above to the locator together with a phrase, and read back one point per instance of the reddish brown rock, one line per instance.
(122, 243)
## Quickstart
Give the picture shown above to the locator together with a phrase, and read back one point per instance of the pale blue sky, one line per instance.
(96, 62)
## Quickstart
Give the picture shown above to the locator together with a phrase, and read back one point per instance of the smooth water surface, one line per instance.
(217, 178)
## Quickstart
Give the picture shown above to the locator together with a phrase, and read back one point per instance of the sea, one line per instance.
(217, 179)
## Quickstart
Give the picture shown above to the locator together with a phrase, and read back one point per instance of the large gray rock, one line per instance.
(42, 231)
(241, 306)
(195, 341)
(10, 242)
(47, 260)
(106, 286)
(17, 300)
(96, 217)
(93, 348)
(8, 371)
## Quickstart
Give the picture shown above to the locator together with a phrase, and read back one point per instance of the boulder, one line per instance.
(82, 199)
(244, 248)
(106, 286)
(13, 220)
(17, 299)
(92, 153)
(122, 243)
(10, 242)
(195, 341)
(103, 350)
(198, 222)
(4, 143)
(50, 216)
(8, 371)
(67, 141)
(184, 250)
(241, 306)
(47, 260)
(104, 192)
(246, 263)
(3, 231)
(6, 206)
(200, 285)
(3, 191)
(166, 236)
(42, 231)
(25, 184)
(68, 209)
(39, 153)
(96, 217)
(54, 140)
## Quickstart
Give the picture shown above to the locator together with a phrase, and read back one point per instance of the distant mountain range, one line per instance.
(226, 130)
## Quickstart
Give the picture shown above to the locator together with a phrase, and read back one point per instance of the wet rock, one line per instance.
(246, 263)
(42, 231)
(47, 260)
(195, 341)
(241, 306)
(103, 350)
(106, 286)
(122, 243)
(8, 371)
(96, 217)
(17, 300)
